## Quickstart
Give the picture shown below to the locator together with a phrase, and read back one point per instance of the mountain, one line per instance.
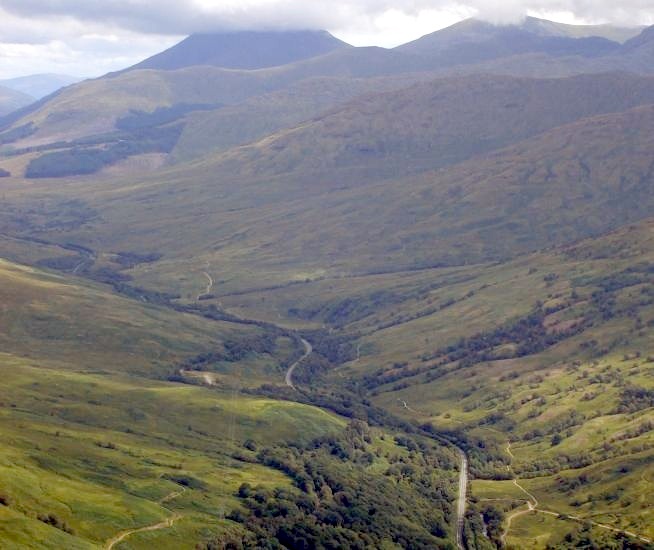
(39, 85)
(262, 115)
(244, 50)
(11, 100)
(474, 41)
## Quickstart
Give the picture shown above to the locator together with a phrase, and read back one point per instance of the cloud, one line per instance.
(187, 16)
(101, 35)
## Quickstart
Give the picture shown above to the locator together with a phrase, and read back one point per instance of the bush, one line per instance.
(54, 521)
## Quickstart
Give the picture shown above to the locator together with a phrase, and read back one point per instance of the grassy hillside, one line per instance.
(247, 230)
(93, 330)
(266, 114)
(87, 457)
(431, 125)
(544, 362)
(93, 107)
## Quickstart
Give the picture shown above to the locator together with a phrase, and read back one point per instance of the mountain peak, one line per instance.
(247, 50)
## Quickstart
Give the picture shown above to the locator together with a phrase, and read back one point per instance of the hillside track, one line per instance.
(166, 524)
(532, 506)
(210, 283)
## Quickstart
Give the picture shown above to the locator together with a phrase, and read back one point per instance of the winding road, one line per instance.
(308, 350)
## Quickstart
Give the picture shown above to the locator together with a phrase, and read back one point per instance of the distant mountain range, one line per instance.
(38, 86)
(10, 100)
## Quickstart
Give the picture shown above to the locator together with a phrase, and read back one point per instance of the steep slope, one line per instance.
(48, 318)
(244, 50)
(11, 100)
(639, 51)
(433, 124)
(643, 40)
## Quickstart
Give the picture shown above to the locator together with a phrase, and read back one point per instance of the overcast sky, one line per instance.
(92, 37)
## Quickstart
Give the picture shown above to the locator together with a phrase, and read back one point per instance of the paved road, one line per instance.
(308, 350)
(461, 503)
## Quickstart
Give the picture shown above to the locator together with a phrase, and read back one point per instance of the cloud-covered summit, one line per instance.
(93, 36)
